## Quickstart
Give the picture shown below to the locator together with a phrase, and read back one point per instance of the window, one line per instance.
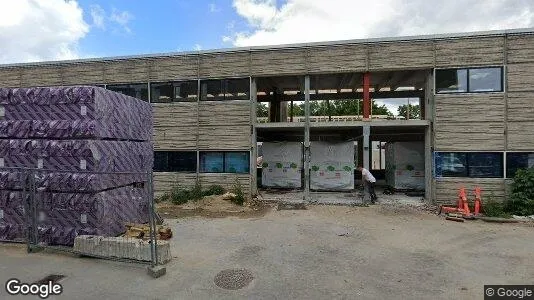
(485, 80)
(236, 162)
(469, 164)
(186, 91)
(225, 89)
(139, 91)
(237, 89)
(175, 161)
(224, 162)
(451, 81)
(163, 92)
(473, 80)
(518, 160)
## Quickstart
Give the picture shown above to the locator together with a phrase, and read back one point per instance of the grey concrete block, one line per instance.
(156, 271)
(121, 247)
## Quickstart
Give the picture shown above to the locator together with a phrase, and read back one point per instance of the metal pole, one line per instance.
(152, 221)
(366, 133)
(307, 138)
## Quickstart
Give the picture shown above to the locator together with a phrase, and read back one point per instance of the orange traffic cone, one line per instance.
(465, 205)
(478, 201)
(461, 197)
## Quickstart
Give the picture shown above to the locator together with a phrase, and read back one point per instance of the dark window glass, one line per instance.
(518, 160)
(183, 161)
(161, 92)
(211, 162)
(175, 161)
(485, 80)
(139, 91)
(185, 91)
(451, 81)
(160, 161)
(485, 165)
(236, 162)
(211, 90)
(237, 89)
(451, 164)
(469, 164)
(226, 89)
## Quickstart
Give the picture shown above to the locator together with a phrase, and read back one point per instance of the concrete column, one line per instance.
(307, 138)
(429, 139)
(366, 96)
(365, 152)
(428, 164)
(253, 138)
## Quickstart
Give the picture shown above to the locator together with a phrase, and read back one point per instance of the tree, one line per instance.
(415, 111)
(262, 110)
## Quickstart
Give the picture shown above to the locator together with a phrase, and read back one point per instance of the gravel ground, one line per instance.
(323, 252)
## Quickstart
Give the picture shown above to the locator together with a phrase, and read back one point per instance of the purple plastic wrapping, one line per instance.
(63, 216)
(73, 112)
(77, 155)
(87, 148)
(73, 182)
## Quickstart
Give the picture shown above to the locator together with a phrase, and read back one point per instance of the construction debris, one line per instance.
(228, 196)
(142, 231)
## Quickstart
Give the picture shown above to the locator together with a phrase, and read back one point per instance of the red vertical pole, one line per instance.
(366, 98)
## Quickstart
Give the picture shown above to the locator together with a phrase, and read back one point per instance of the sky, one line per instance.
(41, 30)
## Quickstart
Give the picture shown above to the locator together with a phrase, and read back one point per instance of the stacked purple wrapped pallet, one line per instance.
(88, 148)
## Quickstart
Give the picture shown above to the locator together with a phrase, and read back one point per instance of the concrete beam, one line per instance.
(345, 96)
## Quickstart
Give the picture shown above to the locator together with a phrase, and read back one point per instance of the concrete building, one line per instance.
(475, 92)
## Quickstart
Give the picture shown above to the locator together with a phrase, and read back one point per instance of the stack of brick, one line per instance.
(89, 149)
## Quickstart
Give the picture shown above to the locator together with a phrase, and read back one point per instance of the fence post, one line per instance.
(152, 221)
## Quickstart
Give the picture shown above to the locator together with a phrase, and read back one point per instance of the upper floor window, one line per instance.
(174, 91)
(225, 89)
(136, 90)
(472, 80)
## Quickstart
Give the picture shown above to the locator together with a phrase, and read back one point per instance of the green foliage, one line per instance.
(262, 110)
(214, 190)
(239, 198)
(315, 168)
(163, 198)
(410, 167)
(196, 192)
(492, 208)
(338, 108)
(179, 196)
(415, 111)
(522, 193)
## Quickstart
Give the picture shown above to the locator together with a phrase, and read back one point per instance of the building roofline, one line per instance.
(443, 36)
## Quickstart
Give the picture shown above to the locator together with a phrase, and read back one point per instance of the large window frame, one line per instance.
(224, 164)
(509, 172)
(169, 163)
(468, 80)
(173, 85)
(116, 87)
(462, 163)
(224, 86)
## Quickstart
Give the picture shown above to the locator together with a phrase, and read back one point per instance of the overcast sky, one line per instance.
(36, 30)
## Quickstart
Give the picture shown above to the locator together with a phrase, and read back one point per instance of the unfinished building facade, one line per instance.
(474, 94)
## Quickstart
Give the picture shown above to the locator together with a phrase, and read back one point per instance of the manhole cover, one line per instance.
(233, 279)
(54, 278)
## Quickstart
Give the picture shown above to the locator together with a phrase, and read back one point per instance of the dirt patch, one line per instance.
(213, 207)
